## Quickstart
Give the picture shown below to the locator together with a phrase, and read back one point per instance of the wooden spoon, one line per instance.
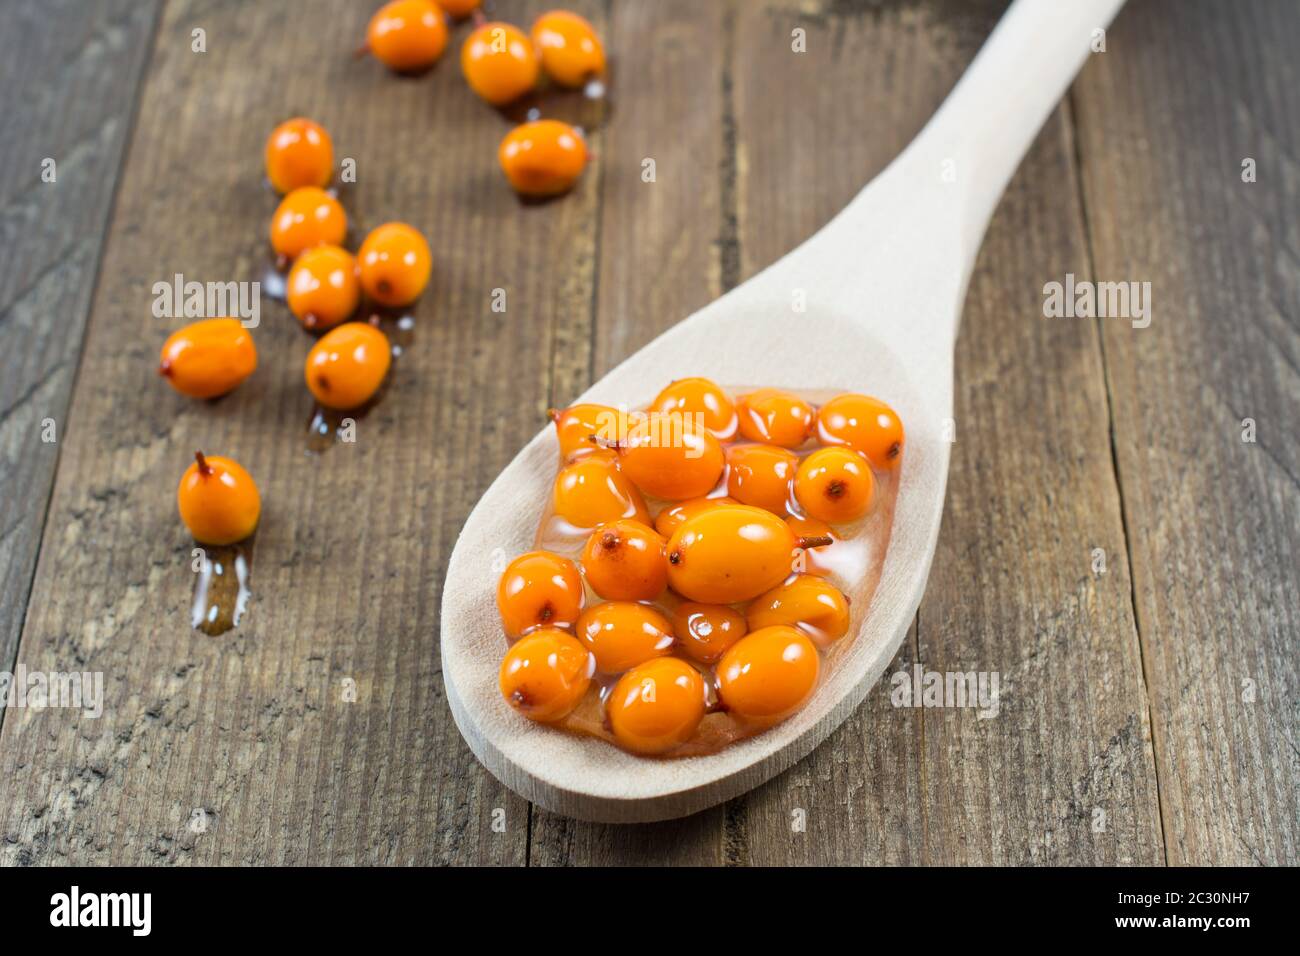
(883, 285)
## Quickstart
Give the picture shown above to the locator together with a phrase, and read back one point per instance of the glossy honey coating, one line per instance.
(622, 634)
(867, 425)
(299, 153)
(218, 500)
(543, 157)
(407, 35)
(394, 263)
(656, 706)
(775, 417)
(593, 490)
(835, 485)
(761, 475)
(703, 397)
(808, 603)
(500, 63)
(571, 51)
(705, 631)
(731, 554)
(347, 365)
(208, 358)
(545, 674)
(768, 674)
(625, 560)
(581, 429)
(671, 456)
(306, 217)
(670, 518)
(322, 289)
(539, 589)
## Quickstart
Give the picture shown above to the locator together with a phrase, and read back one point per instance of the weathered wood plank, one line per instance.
(69, 76)
(662, 251)
(253, 727)
(1184, 95)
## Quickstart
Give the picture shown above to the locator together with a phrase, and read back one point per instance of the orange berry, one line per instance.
(733, 553)
(699, 396)
(543, 158)
(322, 289)
(835, 485)
(671, 456)
(545, 674)
(814, 606)
(308, 216)
(575, 426)
(593, 490)
(570, 50)
(346, 367)
(867, 425)
(208, 358)
(775, 417)
(768, 674)
(218, 500)
(459, 8)
(299, 153)
(499, 62)
(394, 264)
(624, 561)
(656, 706)
(670, 518)
(705, 631)
(622, 634)
(407, 35)
(539, 589)
(760, 475)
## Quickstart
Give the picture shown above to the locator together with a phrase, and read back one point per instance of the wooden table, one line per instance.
(1149, 713)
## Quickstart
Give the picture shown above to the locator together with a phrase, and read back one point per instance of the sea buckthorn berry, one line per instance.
(499, 62)
(346, 367)
(656, 706)
(731, 554)
(570, 50)
(775, 417)
(539, 589)
(670, 518)
(835, 485)
(543, 158)
(407, 35)
(705, 631)
(299, 153)
(545, 674)
(814, 606)
(322, 289)
(671, 456)
(624, 561)
(459, 8)
(308, 216)
(867, 425)
(208, 358)
(218, 500)
(622, 634)
(579, 426)
(768, 674)
(592, 491)
(394, 264)
(760, 475)
(699, 396)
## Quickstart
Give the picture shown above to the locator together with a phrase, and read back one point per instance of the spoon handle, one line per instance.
(987, 124)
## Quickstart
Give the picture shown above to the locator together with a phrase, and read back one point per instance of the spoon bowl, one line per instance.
(869, 304)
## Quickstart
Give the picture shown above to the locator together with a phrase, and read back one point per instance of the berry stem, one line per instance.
(816, 541)
(204, 468)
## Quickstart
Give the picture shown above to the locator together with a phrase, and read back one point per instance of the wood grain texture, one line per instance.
(1213, 521)
(69, 74)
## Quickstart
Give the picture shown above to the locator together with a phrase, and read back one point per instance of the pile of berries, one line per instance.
(711, 605)
(502, 64)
